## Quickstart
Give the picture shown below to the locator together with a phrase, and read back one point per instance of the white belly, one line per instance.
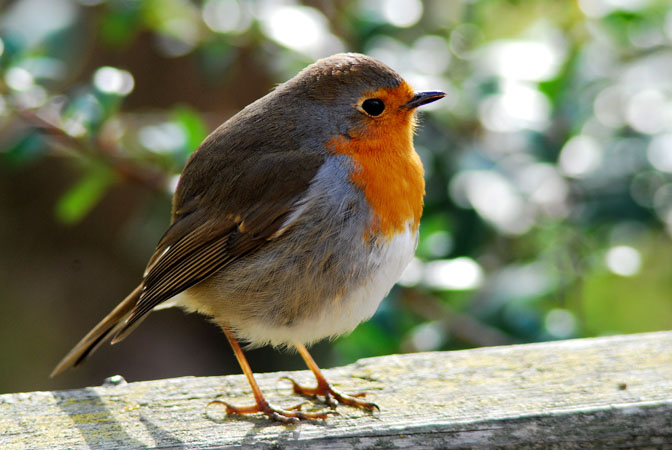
(359, 305)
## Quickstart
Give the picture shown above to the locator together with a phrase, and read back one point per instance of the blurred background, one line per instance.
(549, 168)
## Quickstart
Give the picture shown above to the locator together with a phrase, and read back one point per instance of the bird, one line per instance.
(290, 222)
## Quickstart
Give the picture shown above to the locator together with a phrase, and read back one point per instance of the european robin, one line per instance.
(291, 221)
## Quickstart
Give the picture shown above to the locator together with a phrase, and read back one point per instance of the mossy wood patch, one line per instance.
(611, 392)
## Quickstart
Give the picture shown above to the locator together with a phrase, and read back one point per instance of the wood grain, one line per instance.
(611, 392)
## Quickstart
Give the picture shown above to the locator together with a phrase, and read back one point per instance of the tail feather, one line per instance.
(101, 333)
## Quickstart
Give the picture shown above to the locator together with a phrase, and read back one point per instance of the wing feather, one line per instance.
(233, 198)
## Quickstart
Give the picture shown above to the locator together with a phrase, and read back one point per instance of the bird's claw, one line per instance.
(332, 396)
(290, 416)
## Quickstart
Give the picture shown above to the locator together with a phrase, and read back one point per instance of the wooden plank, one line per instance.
(611, 392)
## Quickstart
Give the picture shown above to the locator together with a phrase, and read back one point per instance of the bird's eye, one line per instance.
(373, 106)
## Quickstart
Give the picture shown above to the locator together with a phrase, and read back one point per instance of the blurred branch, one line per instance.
(462, 326)
(109, 152)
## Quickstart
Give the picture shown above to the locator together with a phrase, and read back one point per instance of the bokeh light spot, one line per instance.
(522, 60)
(300, 28)
(519, 106)
(580, 156)
(19, 79)
(453, 274)
(164, 137)
(427, 337)
(494, 198)
(560, 323)
(648, 111)
(225, 16)
(659, 152)
(402, 13)
(113, 81)
(623, 260)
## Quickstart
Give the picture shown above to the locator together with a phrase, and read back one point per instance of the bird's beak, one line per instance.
(422, 98)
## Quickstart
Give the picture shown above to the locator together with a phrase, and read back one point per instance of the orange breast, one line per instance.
(389, 172)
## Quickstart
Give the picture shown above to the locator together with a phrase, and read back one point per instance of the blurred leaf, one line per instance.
(77, 201)
(193, 125)
(24, 150)
(119, 26)
(161, 15)
(617, 24)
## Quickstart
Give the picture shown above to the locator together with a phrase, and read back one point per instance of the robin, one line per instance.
(291, 221)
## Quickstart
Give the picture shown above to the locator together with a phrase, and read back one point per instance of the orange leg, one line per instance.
(333, 397)
(291, 415)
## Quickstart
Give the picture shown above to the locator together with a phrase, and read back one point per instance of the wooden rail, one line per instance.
(611, 392)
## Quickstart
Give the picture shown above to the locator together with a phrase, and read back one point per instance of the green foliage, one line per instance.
(192, 125)
(549, 175)
(77, 201)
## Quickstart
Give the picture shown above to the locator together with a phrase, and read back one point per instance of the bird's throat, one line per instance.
(389, 172)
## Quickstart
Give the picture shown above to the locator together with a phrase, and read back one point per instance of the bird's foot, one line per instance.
(292, 415)
(332, 396)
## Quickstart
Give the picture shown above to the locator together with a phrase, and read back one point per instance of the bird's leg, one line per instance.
(333, 397)
(290, 415)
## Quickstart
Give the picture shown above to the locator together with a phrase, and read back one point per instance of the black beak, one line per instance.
(422, 98)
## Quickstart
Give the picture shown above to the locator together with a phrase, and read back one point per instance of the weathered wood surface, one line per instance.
(613, 392)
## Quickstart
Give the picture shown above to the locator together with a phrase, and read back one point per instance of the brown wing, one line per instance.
(226, 207)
